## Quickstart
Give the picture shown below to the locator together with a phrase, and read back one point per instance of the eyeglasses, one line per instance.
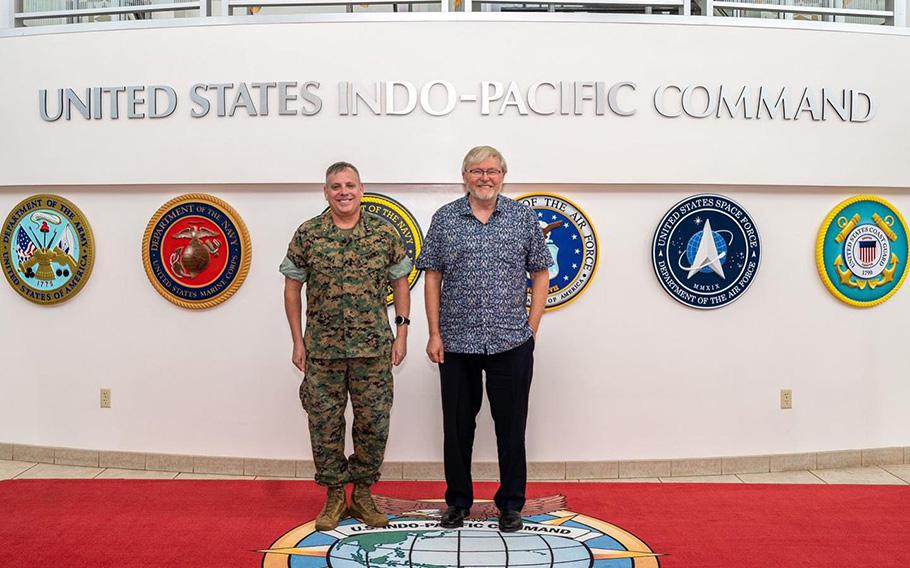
(492, 172)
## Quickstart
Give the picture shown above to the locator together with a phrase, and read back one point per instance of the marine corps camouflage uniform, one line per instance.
(348, 339)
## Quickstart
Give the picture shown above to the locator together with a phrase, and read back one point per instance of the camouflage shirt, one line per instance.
(347, 277)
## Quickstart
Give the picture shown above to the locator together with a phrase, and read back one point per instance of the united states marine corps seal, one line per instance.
(196, 251)
(706, 251)
(573, 245)
(862, 250)
(551, 537)
(47, 249)
(404, 224)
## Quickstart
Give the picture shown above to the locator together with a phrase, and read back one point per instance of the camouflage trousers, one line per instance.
(324, 395)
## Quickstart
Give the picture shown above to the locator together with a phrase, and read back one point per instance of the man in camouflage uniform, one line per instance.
(347, 260)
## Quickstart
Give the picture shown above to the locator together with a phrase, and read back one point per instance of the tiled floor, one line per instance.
(875, 475)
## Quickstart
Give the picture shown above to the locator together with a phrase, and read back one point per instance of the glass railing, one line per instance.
(33, 13)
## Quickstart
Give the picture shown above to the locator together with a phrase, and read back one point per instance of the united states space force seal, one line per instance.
(706, 251)
(413, 539)
(861, 251)
(405, 225)
(196, 251)
(47, 249)
(573, 245)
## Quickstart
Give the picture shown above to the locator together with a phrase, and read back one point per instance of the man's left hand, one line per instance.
(399, 349)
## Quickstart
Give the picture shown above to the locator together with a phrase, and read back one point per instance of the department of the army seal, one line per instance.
(861, 251)
(573, 245)
(47, 249)
(405, 225)
(196, 251)
(706, 251)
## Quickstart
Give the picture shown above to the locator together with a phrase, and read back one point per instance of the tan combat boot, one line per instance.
(363, 508)
(335, 509)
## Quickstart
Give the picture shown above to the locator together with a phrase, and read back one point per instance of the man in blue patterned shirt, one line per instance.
(477, 257)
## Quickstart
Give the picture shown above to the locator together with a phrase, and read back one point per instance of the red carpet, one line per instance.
(98, 523)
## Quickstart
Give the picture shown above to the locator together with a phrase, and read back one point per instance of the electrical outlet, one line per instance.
(105, 398)
(786, 399)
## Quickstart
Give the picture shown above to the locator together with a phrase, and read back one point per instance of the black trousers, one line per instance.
(508, 377)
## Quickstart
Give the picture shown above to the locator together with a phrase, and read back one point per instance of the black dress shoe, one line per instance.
(510, 521)
(454, 517)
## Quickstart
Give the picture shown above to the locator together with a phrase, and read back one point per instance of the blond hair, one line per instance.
(478, 154)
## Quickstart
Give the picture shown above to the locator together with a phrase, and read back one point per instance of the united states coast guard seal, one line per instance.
(196, 251)
(404, 224)
(414, 539)
(47, 249)
(862, 250)
(706, 251)
(572, 242)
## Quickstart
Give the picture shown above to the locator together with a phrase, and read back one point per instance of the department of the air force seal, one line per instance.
(572, 242)
(706, 251)
(862, 250)
(47, 249)
(405, 225)
(196, 251)
(414, 539)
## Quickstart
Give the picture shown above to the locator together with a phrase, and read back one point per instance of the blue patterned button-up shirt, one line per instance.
(484, 274)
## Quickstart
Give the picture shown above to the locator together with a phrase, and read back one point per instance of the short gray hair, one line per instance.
(339, 167)
(478, 154)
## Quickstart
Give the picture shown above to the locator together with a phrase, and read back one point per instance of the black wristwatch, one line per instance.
(402, 320)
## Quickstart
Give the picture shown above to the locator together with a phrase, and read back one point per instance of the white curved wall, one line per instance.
(622, 373)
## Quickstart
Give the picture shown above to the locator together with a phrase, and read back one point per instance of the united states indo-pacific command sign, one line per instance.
(414, 539)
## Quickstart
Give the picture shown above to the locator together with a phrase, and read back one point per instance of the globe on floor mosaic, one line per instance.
(414, 539)
(47, 249)
(861, 251)
(572, 242)
(706, 251)
(196, 251)
(405, 225)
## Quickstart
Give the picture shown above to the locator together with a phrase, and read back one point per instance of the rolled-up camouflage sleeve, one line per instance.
(431, 257)
(294, 264)
(400, 263)
(539, 257)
